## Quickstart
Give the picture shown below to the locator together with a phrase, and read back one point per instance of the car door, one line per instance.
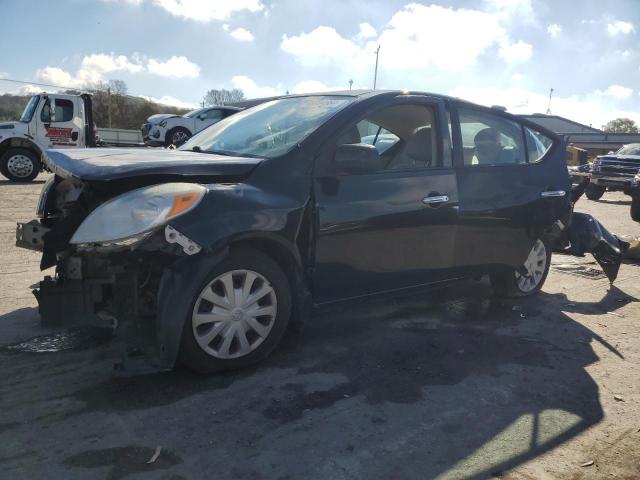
(64, 129)
(513, 184)
(391, 228)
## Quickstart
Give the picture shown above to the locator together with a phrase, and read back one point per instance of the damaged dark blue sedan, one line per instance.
(208, 253)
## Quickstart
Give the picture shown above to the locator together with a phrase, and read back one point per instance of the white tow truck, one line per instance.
(53, 120)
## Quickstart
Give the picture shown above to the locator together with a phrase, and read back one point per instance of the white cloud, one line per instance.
(225, 27)
(518, 77)
(29, 90)
(4, 74)
(511, 7)
(620, 27)
(312, 86)
(208, 10)
(366, 31)
(177, 67)
(554, 29)
(321, 45)
(169, 100)
(412, 41)
(95, 66)
(105, 63)
(591, 109)
(242, 35)
(252, 90)
(617, 91)
(515, 52)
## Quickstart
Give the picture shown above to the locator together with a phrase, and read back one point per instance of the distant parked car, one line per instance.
(614, 171)
(168, 129)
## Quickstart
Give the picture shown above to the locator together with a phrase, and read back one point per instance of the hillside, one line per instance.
(126, 111)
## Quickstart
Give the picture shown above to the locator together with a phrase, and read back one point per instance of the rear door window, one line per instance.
(538, 144)
(489, 139)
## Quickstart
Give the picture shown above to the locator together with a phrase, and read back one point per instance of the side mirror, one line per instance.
(49, 110)
(610, 152)
(202, 116)
(357, 159)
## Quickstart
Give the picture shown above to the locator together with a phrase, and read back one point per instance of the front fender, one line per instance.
(231, 212)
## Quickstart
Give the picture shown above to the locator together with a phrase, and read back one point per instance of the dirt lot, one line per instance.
(456, 384)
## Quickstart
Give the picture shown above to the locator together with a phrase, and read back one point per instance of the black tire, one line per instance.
(505, 282)
(168, 138)
(595, 192)
(194, 356)
(22, 172)
(635, 207)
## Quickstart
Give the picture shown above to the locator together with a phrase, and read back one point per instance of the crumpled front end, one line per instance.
(111, 283)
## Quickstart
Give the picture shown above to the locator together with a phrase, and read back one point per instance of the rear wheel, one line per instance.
(238, 315)
(528, 279)
(595, 192)
(177, 136)
(19, 165)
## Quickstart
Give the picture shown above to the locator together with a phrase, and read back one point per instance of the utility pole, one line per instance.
(549, 107)
(350, 84)
(109, 104)
(375, 75)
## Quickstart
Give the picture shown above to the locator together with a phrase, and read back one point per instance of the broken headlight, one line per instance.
(133, 214)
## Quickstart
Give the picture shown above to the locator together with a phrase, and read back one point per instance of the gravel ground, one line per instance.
(454, 384)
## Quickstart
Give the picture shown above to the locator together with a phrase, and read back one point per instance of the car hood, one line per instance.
(160, 117)
(106, 164)
(623, 158)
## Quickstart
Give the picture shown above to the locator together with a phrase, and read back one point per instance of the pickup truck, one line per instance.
(53, 121)
(48, 121)
(614, 171)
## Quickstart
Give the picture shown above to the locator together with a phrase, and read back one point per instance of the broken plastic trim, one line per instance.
(174, 236)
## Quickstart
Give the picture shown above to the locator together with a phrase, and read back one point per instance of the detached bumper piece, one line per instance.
(31, 235)
(587, 235)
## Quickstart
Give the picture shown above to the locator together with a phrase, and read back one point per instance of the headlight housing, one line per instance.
(163, 123)
(132, 215)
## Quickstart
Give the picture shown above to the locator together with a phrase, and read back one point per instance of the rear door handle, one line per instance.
(553, 193)
(435, 200)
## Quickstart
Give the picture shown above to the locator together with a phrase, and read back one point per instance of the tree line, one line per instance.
(114, 107)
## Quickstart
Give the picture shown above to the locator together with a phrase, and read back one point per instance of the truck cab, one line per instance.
(48, 121)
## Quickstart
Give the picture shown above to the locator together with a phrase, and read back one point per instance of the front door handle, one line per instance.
(553, 193)
(435, 200)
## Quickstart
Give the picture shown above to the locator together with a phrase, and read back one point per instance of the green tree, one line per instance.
(621, 125)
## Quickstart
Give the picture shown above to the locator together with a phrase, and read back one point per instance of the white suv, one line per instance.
(166, 129)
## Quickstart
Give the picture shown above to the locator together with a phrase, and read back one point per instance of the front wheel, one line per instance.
(19, 165)
(595, 192)
(239, 313)
(528, 279)
(177, 136)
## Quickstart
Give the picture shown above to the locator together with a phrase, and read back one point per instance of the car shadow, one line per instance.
(9, 182)
(453, 383)
(613, 202)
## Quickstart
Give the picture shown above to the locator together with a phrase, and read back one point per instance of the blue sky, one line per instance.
(507, 52)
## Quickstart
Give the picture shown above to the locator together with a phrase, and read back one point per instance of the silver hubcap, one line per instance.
(179, 137)
(234, 314)
(20, 166)
(535, 266)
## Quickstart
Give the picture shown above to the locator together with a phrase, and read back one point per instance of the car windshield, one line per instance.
(269, 129)
(194, 113)
(633, 149)
(29, 109)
